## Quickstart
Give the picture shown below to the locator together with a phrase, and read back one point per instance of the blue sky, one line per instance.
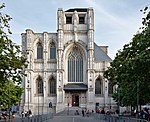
(116, 21)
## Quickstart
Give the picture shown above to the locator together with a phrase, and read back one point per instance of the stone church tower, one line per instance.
(66, 68)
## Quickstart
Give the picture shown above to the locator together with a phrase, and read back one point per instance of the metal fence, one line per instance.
(36, 118)
(113, 118)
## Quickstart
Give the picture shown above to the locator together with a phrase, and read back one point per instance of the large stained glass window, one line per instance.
(75, 66)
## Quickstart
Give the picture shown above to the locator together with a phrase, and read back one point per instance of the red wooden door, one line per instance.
(73, 100)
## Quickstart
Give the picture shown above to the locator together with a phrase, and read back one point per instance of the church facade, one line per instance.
(65, 69)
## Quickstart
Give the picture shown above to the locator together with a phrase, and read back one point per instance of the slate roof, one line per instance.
(75, 86)
(100, 55)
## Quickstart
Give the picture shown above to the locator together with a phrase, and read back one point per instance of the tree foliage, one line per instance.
(15, 93)
(130, 69)
(11, 62)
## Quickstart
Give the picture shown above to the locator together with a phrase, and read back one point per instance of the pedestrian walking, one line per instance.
(30, 113)
(77, 112)
(22, 113)
(82, 112)
(87, 113)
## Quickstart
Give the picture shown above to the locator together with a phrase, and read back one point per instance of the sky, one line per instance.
(116, 21)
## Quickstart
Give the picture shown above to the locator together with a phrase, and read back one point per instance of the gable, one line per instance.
(100, 55)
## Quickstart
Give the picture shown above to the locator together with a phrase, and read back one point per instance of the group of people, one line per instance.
(26, 113)
(86, 112)
(5, 116)
(145, 114)
(102, 111)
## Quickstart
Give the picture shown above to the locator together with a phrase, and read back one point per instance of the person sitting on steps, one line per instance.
(77, 112)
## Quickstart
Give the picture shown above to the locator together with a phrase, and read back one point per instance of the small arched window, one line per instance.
(52, 51)
(52, 87)
(39, 51)
(39, 86)
(98, 87)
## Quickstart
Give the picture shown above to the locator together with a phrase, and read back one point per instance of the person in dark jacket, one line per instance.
(82, 112)
(103, 111)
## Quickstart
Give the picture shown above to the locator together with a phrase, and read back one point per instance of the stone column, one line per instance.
(60, 18)
(90, 36)
(45, 56)
(75, 26)
(29, 69)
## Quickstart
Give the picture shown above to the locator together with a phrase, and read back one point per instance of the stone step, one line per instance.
(71, 111)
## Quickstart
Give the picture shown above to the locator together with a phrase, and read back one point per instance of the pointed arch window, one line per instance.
(52, 51)
(39, 51)
(39, 86)
(75, 66)
(52, 87)
(98, 87)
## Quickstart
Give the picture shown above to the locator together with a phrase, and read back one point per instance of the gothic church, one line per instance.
(66, 68)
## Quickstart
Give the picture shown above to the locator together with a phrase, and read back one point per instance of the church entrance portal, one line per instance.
(75, 100)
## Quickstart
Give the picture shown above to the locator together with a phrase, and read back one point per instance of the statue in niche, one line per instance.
(90, 19)
(59, 21)
(75, 18)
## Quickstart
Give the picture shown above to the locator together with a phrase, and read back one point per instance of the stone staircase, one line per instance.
(71, 111)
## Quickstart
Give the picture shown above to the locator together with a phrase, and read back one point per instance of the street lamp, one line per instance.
(28, 99)
(105, 97)
(29, 76)
(9, 98)
(119, 101)
(110, 93)
(38, 102)
(137, 98)
(68, 108)
(1, 108)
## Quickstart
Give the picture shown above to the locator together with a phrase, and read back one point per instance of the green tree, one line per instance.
(11, 62)
(130, 69)
(15, 93)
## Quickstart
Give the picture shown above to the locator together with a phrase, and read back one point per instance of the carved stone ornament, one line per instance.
(60, 88)
(90, 89)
